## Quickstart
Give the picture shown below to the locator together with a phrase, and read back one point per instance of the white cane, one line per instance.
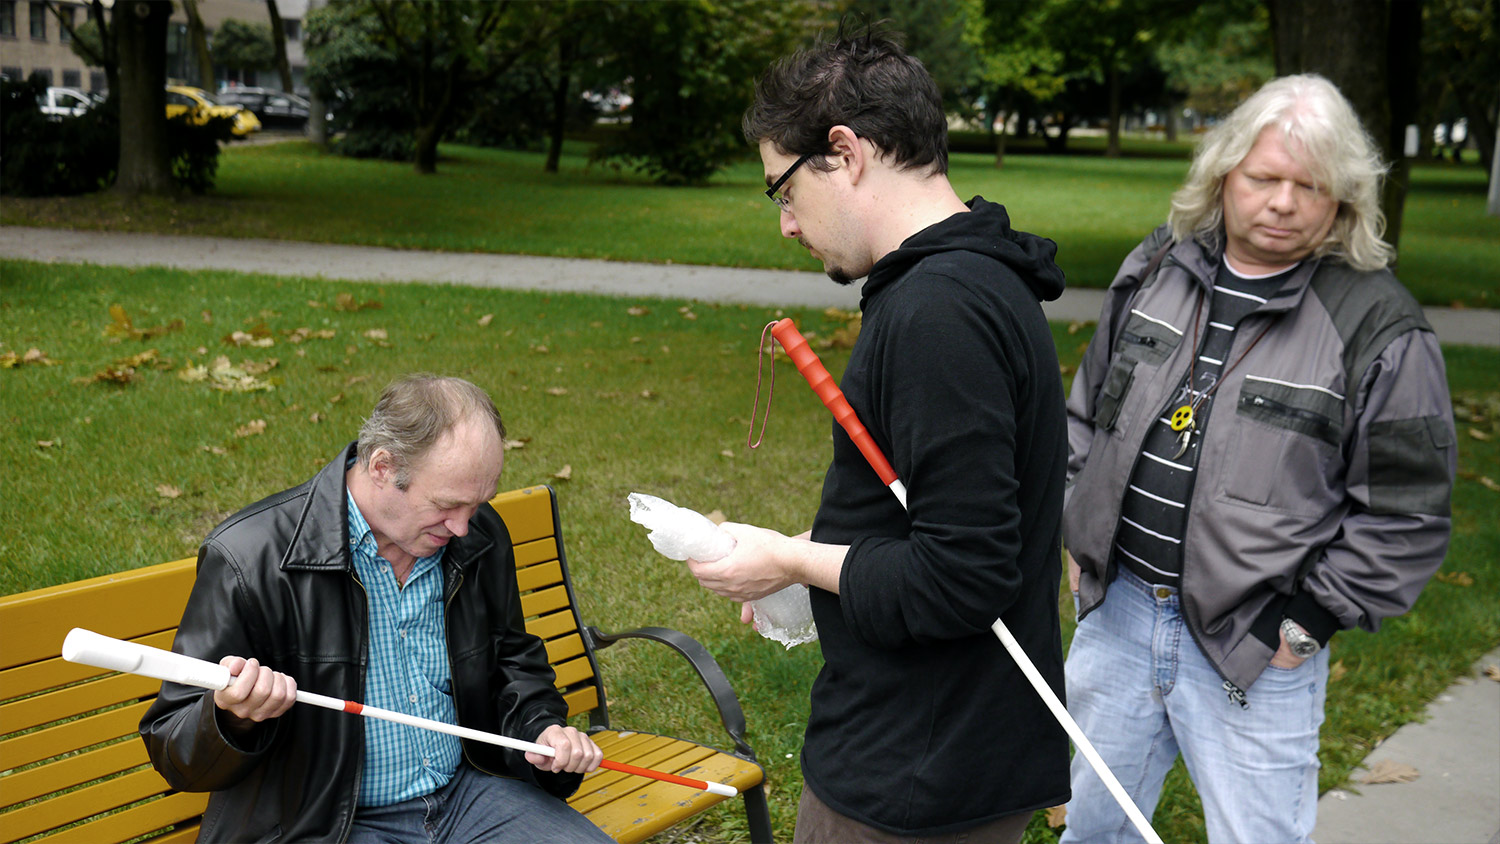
(89, 648)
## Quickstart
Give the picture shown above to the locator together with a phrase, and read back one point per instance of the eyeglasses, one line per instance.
(773, 192)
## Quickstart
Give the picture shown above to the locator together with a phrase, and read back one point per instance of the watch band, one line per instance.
(1297, 641)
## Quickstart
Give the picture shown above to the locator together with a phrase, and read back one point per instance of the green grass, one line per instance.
(484, 200)
(657, 402)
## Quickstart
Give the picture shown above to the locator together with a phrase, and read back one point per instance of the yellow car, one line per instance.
(201, 105)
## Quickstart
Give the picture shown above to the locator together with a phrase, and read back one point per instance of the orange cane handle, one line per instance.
(822, 383)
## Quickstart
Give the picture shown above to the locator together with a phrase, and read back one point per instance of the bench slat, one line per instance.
(535, 552)
(564, 648)
(85, 732)
(139, 820)
(75, 700)
(527, 513)
(539, 576)
(551, 626)
(584, 700)
(572, 672)
(83, 803)
(110, 605)
(544, 601)
(74, 770)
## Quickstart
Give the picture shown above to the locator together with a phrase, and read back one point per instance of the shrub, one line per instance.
(46, 156)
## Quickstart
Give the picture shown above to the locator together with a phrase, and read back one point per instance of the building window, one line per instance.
(65, 29)
(97, 82)
(72, 79)
(8, 18)
(293, 28)
(39, 21)
(46, 75)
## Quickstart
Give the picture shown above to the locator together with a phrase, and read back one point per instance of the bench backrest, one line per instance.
(70, 754)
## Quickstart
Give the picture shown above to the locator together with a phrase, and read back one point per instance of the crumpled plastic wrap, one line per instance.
(678, 533)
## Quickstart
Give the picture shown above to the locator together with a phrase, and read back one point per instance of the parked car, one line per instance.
(65, 102)
(201, 105)
(273, 107)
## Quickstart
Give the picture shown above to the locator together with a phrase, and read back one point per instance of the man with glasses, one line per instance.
(921, 724)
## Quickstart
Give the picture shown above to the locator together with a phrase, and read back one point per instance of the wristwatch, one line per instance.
(1300, 644)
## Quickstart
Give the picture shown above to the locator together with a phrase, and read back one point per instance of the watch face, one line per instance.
(1304, 648)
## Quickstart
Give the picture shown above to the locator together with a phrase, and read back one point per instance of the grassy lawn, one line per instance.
(485, 200)
(102, 476)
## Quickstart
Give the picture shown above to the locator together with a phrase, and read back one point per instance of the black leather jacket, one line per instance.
(276, 581)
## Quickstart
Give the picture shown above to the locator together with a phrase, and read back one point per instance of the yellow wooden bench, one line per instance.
(74, 769)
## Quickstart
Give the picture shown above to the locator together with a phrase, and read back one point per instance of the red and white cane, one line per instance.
(807, 363)
(89, 648)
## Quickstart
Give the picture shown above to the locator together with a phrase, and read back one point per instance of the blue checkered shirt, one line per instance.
(408, 672)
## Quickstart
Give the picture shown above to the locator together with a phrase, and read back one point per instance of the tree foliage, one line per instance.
(241, 45)
(691, 68)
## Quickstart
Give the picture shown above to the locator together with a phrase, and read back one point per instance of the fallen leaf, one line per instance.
(565, 473)
(315, 418)
(1337, 671)
(335, 399)
(1478, 435)
(1457, 578)
(48, 443)
(242, 338)
(1489, 483)
(215, 449)
(376, 334)
(727, 453)
(512, 445)
(208, 317)
(192, 374)
(120, 326)
(1389, 771)
(557, 391)
(1057, 816)
(347, 302)
(485, 320)
(36, 356)
(717, 517)
(168, 491)
(250, 429)
(1492, 671)
(648, 394)
(637, 311)
(541, 350)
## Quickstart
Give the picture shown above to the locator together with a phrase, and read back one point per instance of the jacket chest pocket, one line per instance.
(1143, 342)
(1285, 450)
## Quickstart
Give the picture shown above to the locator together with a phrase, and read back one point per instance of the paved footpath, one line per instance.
(1456, 800)
(674, 281)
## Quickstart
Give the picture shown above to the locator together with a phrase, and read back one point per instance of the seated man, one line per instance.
(388, 579)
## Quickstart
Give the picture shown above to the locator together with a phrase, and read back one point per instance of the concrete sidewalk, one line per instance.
(1456, 798)
(676, 281)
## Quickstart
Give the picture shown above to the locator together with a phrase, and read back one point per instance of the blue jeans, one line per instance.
(1142, 691)
(476, 807)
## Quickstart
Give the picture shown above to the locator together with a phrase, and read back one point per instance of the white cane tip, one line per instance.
(720, 788)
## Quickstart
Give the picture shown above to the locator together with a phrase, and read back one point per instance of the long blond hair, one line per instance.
(1329, 142)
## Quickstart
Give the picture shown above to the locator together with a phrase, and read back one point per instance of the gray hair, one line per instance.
(414, 412)
(1330, 143)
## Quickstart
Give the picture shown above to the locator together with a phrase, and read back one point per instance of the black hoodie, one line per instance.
(921, 722)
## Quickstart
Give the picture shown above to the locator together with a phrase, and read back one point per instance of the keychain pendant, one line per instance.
(1183, 441)
(1182, 418)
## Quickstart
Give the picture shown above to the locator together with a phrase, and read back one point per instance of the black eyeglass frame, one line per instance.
(771, 192)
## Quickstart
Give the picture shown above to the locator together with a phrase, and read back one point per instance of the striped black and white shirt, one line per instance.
(1153, 514)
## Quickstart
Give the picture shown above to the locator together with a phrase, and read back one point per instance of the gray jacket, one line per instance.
(1325, 471)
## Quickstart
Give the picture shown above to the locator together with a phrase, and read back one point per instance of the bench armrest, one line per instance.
(704, 663)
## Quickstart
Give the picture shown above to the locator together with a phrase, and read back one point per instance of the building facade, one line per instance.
(34, 40)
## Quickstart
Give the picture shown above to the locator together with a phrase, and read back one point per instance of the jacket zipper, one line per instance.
(1318, 419)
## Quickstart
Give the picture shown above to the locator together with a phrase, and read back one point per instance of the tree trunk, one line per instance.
(1000, 143)
(1174, 117)
(426, 140)
(565, 50)
(1494, 201)
(278, 37)
(198, 37)
(317, 117)
(1337, 38)
(1112, 148)
(140, 34)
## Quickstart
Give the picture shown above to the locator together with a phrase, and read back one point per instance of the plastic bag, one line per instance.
(678, 533)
